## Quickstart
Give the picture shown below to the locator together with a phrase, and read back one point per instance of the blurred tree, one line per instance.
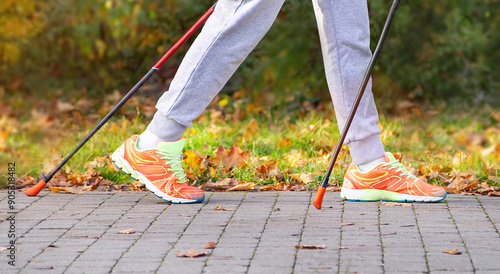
(445, 49)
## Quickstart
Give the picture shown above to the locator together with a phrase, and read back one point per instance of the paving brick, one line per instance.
(252, 238)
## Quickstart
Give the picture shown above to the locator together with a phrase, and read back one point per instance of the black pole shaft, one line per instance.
(361, 91)
(102, 122)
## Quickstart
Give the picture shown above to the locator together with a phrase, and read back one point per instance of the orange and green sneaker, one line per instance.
(159, 170)
(388, 181)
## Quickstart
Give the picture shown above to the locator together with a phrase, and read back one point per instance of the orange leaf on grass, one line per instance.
(242, 186)
(235, 157)
(193, 158)
(270, 168)
(251, 129)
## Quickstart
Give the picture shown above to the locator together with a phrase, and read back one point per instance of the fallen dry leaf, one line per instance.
(126, 231)
(193, 158)
(191, 253)
(267, 188)
(45, 267)
(395, 204)
(269, 169)
(220, 185)
(3, 248)
(452, 251)
(48, 247)
(277, 209)
(235, 157)
(241, 186)
(310, 246)
(70, 189)
(251, 129)
(347, 224)
(63, 107)
(333, 189)
(221, 208)
(210, 245)
(307, 178)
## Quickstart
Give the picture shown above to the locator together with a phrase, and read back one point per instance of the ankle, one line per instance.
(147, 140)
(365, 167)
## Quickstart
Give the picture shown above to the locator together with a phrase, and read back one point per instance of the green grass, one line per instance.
(296, 139)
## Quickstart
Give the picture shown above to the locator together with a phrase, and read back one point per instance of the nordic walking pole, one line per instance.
(318, 200)
(34, 190)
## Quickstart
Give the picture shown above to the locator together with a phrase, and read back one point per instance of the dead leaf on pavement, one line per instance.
(126, 231)
(452, 251)
(221, 208)
(310, 246)
(48, 247)
(347, 224)
(395, 204)
(3, 248)
(191, 253)
(210, 245)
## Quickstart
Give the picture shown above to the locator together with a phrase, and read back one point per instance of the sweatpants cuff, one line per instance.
(165, 128)
(366, 150)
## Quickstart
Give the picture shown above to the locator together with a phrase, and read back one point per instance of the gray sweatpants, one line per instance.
(233, 31)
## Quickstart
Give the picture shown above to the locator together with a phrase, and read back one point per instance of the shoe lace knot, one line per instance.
(398, 166)
(175, 163)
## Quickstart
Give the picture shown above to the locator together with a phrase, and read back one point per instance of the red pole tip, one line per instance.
(318, 200)
(34, 190)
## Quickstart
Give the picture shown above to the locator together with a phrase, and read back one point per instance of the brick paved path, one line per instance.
(64, 233)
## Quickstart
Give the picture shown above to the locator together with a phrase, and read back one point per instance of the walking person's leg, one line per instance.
(229, 35)
(345, 41)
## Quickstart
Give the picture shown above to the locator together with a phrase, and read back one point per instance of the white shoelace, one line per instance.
(175, 162)
(401, 168)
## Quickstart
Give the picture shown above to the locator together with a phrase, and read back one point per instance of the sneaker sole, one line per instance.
(125, 167)
(375, 195)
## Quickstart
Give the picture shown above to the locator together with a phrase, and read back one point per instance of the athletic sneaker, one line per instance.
(388, 181)
(159, 169)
